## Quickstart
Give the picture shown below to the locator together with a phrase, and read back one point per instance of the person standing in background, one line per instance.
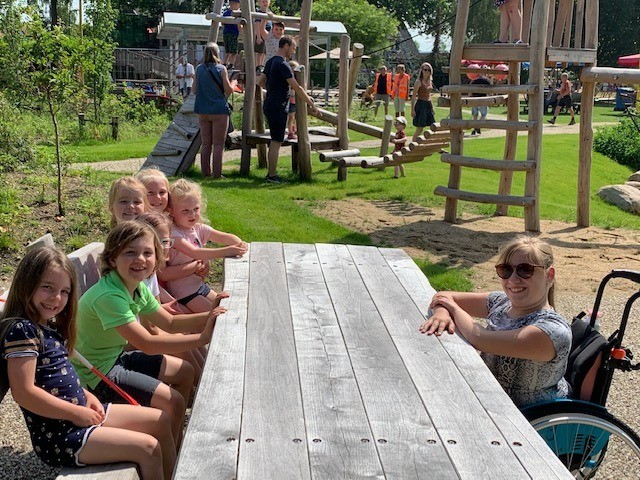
(400, 92)
(382, 90)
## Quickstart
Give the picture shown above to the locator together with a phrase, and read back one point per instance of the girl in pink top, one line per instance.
(190, 236)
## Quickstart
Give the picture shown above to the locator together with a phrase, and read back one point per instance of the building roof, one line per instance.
(195, 27)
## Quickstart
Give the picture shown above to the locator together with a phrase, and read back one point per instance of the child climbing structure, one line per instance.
(553, 31)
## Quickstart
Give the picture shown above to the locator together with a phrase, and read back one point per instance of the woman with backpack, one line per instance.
(526, 343)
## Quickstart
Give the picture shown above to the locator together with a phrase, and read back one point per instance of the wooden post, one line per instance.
(249, 86)
(259, 123)
(586, 119)
(213, 30)
(579, 24)
(511, 141)
(81, 122)
(526, 20)
(114, 127)
(354, 68)
(536, 110)
(455, 112)
(304, 145)
(343, 87)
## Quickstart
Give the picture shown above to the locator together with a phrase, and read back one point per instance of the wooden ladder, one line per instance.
(512, 55)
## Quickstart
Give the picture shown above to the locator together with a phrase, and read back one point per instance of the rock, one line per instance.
(634, 177)
(624, 196)
(634, 184)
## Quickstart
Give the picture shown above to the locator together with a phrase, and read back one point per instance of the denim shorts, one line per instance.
(203, 290)
(136, 373)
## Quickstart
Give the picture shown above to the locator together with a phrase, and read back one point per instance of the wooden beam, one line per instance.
(331, 155)
(496, 165)
(483, 197)
(213, 29)
(371, 130)
(501, 52)
(560, 54)
(490, 89)
(343, 88)
(610, 75)
(354, 68)
(490, 101)
(584, 154)
(497, 124)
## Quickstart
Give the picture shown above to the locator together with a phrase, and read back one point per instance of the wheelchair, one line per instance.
(590, 441)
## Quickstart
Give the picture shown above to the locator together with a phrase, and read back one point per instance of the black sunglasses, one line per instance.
(524, 270)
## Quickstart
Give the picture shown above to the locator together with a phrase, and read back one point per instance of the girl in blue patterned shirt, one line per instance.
(68, 425)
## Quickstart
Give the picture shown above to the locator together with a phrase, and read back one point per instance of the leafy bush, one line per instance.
(15, 147)
(620, 142)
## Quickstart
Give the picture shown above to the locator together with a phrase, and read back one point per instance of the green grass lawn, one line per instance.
(263, 212)
(103, 151)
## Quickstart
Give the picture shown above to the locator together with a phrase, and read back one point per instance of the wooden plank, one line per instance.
(483, 197)
(329, 155)
(498, 165)
(570, 55)
(497, 124)
(210, 446)
(497, 52)
(522, 439)
(407, 443)
(273, 442)
(335, 418)
(491, 89)
(470, 437)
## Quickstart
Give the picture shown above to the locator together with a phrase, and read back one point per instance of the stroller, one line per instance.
(586, 437)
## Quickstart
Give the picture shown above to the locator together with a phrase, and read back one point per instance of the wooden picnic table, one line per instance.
(318, 371)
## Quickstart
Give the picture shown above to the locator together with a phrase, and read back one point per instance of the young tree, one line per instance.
(52, 77)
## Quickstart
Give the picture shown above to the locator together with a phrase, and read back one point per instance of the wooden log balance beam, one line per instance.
(332, 118)
(332, 156)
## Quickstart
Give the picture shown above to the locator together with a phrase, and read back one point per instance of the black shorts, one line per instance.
(277, 118)
(565, 101)
(203, 290)
(259, 48)
(136, 373)
(230, 42)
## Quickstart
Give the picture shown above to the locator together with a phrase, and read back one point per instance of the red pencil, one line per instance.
(78, 356)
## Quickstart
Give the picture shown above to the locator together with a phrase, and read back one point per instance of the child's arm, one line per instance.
(22, 372)
(176, 272)
(139, 337)
(204, 253)
(528, 342)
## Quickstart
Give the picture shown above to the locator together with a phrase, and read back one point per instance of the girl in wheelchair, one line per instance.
(525, 342)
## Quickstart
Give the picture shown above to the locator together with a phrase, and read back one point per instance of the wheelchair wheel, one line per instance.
(588, 440)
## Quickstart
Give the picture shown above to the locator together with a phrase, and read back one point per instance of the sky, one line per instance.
(425, 42)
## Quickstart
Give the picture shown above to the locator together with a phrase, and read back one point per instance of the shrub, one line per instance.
(620, 142)
(15, 147)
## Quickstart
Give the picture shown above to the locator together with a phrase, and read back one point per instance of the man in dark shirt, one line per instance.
(278, 78)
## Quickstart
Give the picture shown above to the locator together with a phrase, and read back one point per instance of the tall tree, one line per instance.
(618, 30)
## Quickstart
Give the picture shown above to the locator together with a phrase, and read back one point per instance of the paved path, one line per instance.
(132, 165)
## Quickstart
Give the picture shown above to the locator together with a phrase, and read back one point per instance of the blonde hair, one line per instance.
(147, 175)
(27, 278)
(182, 188)
(535, 250)
(429, 75)
(125, 183)
(121, 236)
(155, 220)
(211, 53)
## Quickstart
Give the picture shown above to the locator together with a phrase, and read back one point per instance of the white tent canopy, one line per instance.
(334, 54)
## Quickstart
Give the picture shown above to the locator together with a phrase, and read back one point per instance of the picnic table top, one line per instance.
(318, 371)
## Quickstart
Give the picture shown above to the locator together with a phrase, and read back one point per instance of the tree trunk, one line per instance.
(54, 119)
(53, 11)
(437, 34)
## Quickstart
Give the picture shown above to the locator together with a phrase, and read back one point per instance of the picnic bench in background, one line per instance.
(317, 370)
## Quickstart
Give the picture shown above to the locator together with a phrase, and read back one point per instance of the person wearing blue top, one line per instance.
(278, 78)
(230, 34)
(212, 87)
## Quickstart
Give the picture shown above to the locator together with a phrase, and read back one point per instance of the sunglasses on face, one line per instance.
(167, 242)
(524, 270)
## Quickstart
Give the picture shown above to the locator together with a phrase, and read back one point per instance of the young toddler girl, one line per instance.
(190, 237)
(399, 141)
(291, 115)
(107, 322)
(162, 226)
(526, 343)
(68, 425)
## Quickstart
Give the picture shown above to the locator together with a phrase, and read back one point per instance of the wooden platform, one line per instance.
(179, 144)
(318, 371)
